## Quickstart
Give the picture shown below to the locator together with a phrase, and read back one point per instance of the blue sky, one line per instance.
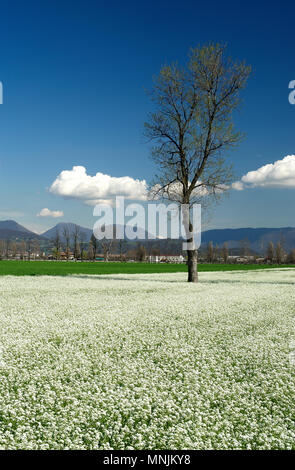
(74, 74)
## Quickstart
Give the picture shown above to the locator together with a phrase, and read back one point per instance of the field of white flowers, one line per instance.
(148, 361)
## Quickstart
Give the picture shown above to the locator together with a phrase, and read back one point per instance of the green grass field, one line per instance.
(63, 268)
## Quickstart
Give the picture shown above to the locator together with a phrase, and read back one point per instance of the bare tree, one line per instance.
(122, 248)
(210, 252)
(76, 235)
(215, 253)
(83, 246)
(245, 247)
(95, 245)
(84, 255)
(36, 248)
(4, 248)
(141, 253)
(192, 128)
(291, 257)
(13, 249)
(29, 248)
(106, 245)
(91, 251)
(270, 252)
(56, 244)
(22, 249)
(282, 240)
(7, 248)
(67, 238)
(262, 245)
(279, 253)
(224, 252)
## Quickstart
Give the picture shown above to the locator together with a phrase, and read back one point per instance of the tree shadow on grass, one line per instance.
(119, 277)
(129, 278)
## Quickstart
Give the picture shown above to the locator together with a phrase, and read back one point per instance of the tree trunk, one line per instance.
(192, 262)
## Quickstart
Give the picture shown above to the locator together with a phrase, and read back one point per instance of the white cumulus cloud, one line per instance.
(238, 185)
(100, 188)
(280, 174)
(48, 213)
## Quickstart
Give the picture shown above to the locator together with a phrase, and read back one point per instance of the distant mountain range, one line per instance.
(11, 230)
(85, 232)
(258, 238)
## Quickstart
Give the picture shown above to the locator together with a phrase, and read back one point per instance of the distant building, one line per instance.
(242, 260)
(166, 259)
(260, 260)
(64, 256)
